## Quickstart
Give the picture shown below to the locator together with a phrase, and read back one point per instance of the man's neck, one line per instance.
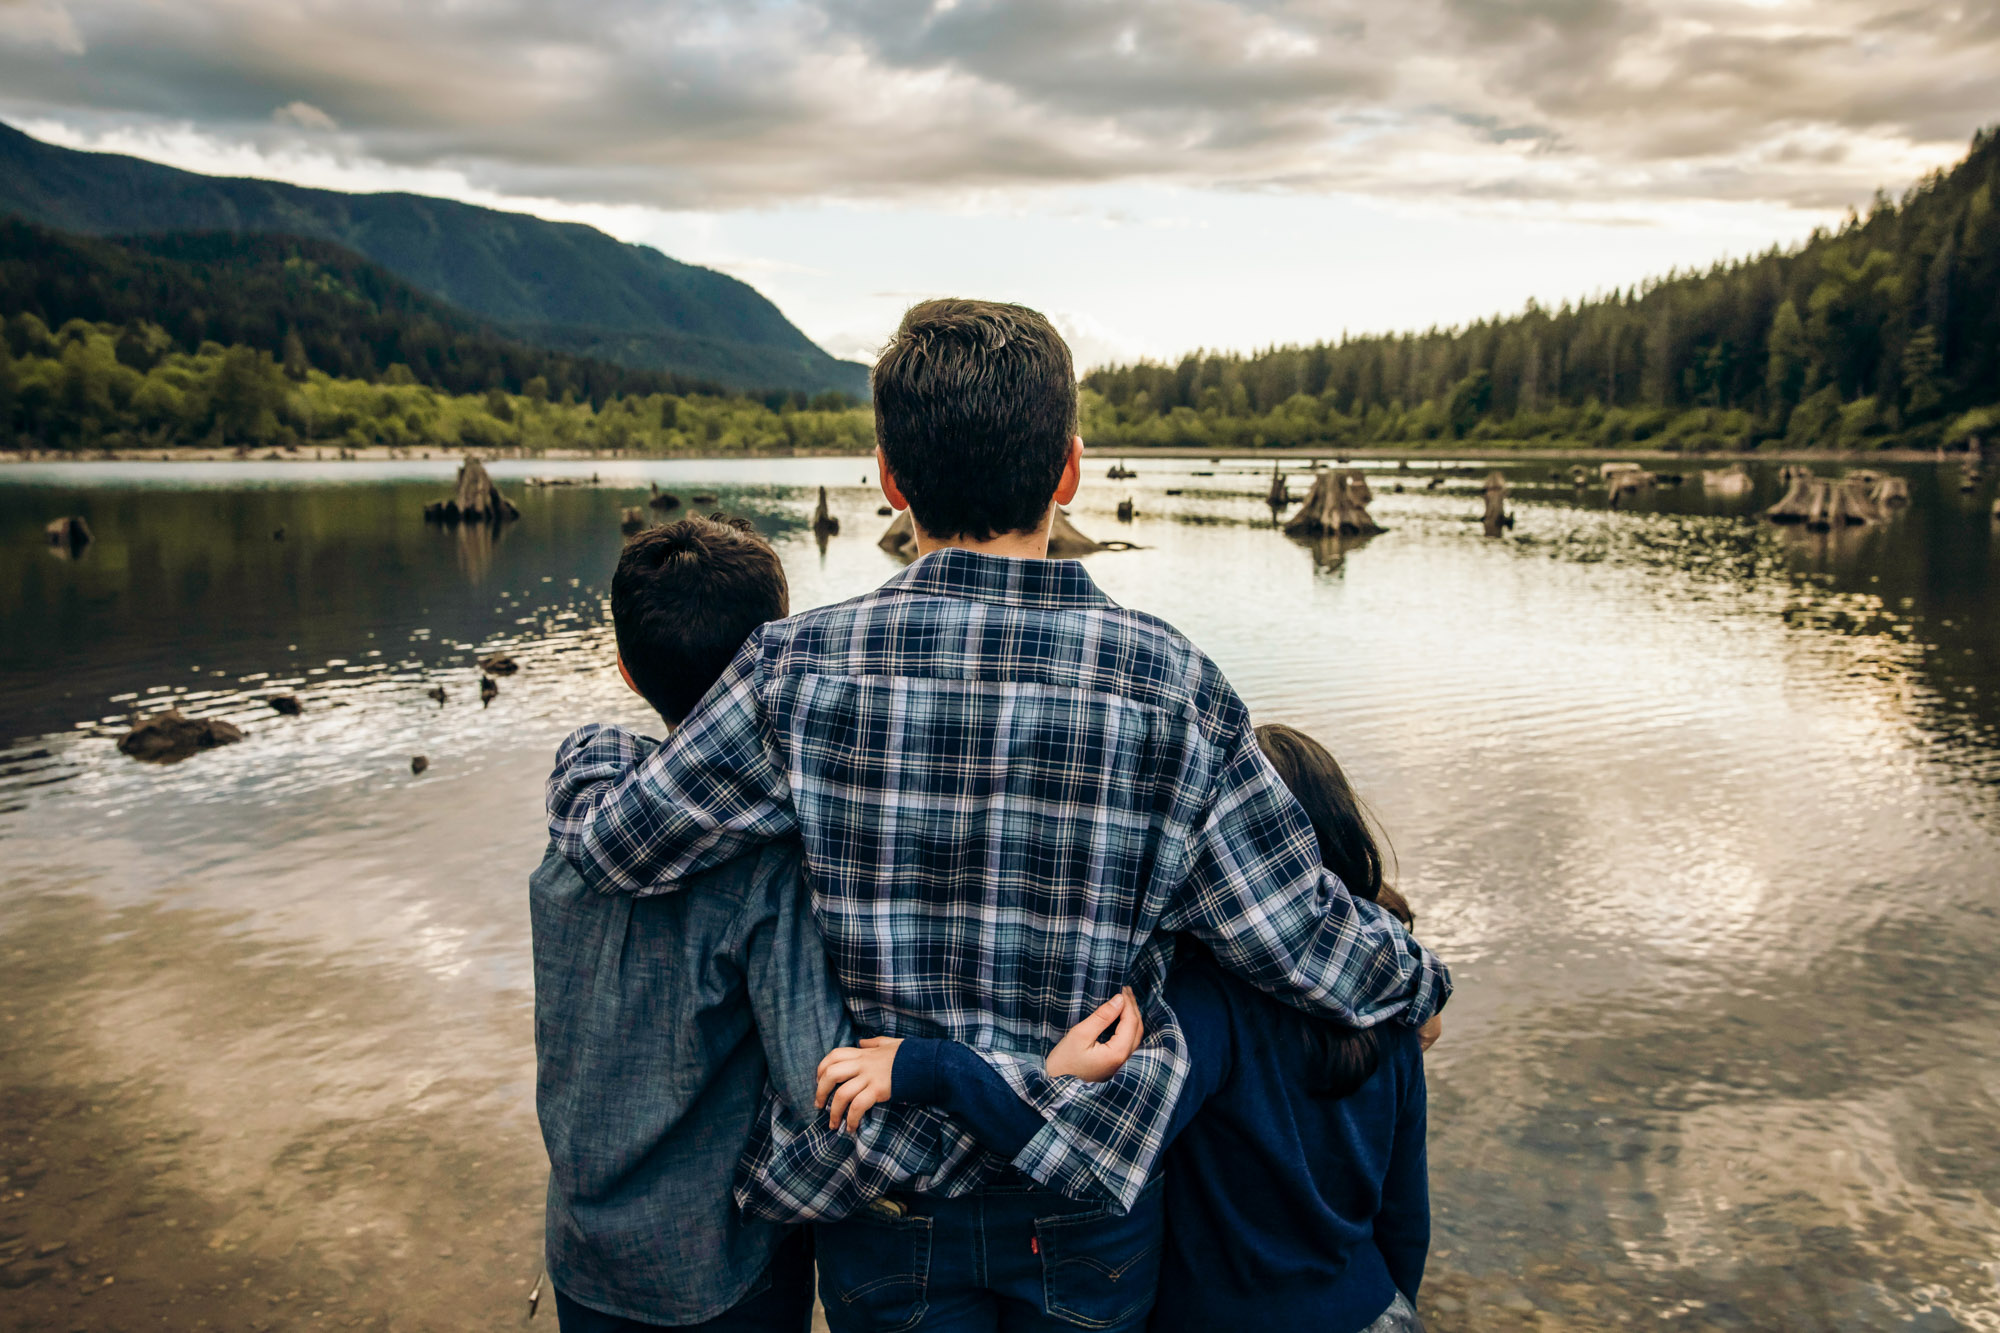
(1030, 545)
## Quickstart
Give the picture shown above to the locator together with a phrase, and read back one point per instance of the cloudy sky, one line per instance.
(1159, 174)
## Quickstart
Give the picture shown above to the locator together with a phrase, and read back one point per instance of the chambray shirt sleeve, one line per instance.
(793, 998)
(1273, 915)
(633, 821)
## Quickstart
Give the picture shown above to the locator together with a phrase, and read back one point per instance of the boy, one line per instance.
(657, 1019)
(1010, 792)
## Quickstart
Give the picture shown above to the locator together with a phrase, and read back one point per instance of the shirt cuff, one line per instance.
(914, 1077)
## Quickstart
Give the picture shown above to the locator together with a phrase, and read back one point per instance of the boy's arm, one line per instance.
(1257, 893)
(1403, 1226)
(633, 820)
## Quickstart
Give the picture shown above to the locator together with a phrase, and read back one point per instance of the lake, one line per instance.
(1703, 812)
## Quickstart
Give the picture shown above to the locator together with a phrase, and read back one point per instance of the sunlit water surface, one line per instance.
(1702, 813)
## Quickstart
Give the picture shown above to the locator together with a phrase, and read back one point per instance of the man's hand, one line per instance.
(1428, 1034)
(852, 1080)
(1091, 1053)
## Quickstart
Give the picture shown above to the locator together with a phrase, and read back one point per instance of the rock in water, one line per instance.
(288, 704)
(418, 763)
(1332, 509)
(824, 523)
(168, 738)
(499, 665)
(70, 533)
(488, 689)
(885, 511)
(476, 499)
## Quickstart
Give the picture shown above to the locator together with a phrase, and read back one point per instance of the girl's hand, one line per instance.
(854, 1079)
(1088, 1052)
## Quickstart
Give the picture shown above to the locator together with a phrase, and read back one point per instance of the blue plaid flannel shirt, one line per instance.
(1011, 791)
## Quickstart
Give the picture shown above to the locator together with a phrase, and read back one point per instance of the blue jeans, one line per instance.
(779, 1302)
(1010, 1258)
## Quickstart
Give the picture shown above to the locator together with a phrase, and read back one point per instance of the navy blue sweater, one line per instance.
(1284, 1210)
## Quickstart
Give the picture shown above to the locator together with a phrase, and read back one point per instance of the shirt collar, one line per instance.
(1008, 580)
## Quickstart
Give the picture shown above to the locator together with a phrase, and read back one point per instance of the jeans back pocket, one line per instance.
(874, 1271)
(1101, 1271)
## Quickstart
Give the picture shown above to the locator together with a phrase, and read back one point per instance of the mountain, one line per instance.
(295, 299)
(1885, 331)
(560, 284)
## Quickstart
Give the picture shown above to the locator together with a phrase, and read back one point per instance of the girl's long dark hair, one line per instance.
(1338, 1059)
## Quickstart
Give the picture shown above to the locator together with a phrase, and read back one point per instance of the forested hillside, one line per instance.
(1884, 332)
(564, 285)
(309, 303)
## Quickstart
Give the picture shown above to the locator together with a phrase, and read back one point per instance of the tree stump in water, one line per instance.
(70, 532)
(1125, 510)
(1892, 492)
(1279, 496)
(475, 500)
(660, 499)
(1796, 504)
(1332, 508)
(1726, 481)
(1120, 472)
(1497, 519)
(1824, 504)
(1628, 481)
(631, 521)
(824, 523)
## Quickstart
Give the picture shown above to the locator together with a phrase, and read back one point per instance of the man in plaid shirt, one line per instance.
(1011, 793)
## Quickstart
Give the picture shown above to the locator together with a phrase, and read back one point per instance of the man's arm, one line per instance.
(1257, 893)
(634, 820)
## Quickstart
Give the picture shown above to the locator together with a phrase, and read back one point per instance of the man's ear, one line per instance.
(626, 672)
(1072, 473)
(890, 491)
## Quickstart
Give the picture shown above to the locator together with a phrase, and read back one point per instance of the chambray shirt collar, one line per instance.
(1052, 585)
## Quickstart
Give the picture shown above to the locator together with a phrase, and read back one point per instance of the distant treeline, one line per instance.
(248, 341)
(1885, 332)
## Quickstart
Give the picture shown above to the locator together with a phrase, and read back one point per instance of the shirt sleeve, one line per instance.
(793, 998)
(1257, 893)
(637, 822)
(932, 1071)
(1403, 1226)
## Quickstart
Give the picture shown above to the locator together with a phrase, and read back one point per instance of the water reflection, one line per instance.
(1701, 809)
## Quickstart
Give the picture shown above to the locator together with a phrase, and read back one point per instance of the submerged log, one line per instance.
(1332, 508)
(824, 523)
(1733, 480)
(168, 738)
(1496, 519)
(499, 665)
(70, 532)
(475, 500)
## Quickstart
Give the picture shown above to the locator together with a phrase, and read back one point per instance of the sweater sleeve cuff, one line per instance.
(914, 1078)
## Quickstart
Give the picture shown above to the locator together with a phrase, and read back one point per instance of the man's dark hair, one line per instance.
(683, 600)
(975, 406)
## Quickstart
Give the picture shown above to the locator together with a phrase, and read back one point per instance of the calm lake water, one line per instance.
(1705, 815)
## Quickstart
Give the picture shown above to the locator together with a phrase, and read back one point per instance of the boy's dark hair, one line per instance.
(1340, 1058)
(975, 406)
(684, 598)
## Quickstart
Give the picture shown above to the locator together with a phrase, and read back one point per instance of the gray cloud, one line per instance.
(720, 103)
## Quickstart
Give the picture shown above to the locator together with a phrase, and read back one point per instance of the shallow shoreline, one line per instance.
(1339, 454)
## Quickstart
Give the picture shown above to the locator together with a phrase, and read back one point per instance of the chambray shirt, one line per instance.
(656, 1020)
(1010, 791)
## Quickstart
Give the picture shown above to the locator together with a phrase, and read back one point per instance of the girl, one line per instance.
(1298, 1196)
